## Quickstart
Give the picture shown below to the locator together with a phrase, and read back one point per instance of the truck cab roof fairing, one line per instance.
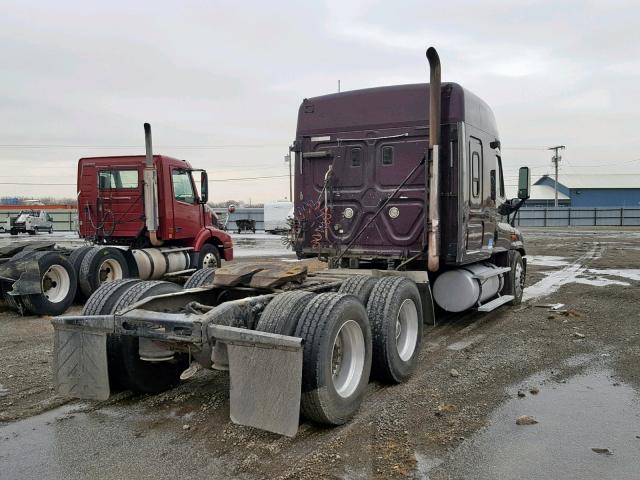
(390, 107)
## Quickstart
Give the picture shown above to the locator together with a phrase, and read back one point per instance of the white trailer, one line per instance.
(276, 216)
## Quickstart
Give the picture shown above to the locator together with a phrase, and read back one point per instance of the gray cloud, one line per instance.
(218, 72)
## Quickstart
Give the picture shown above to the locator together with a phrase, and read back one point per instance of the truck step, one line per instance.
(175, 249)
(492, 273)
(495, 303)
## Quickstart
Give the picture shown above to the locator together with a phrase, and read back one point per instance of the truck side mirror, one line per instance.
(524, 183)
(204, 187)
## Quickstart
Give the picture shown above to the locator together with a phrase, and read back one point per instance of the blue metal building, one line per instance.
(606, 190)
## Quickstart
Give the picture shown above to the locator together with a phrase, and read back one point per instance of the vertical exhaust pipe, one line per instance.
(433, 237)
(150, 190)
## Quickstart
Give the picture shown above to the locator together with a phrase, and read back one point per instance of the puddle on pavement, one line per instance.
(424, 464)
(109, 443)
(591, 410)
(259, 245)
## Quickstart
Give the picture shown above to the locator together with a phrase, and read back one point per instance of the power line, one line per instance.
(523, 148)
(36, 183)
(556, 160)
(194, 147)
(212, 180)
(247, 178)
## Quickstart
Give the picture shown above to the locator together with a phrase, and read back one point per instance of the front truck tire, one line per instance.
(336, 357)
(395, 313)
(59, 283)
(100, 265)
(515, 279)
(126, 369)
(207, 257)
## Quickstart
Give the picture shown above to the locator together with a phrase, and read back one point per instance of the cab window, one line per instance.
(117, 178)
(501, 179)
(387, 155)
(182, 187)
(475, 174)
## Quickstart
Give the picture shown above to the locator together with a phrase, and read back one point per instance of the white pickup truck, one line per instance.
(31, 222)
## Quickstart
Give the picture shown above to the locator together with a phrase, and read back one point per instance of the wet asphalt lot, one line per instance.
(582, 362)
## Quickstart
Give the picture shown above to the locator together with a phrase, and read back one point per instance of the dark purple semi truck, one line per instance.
(401, 190)
(378, 187)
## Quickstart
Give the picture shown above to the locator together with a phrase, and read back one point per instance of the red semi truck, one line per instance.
(144, 218)
(409, 210)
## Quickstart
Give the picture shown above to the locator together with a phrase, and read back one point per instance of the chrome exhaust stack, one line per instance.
(433, 220)
(150, 190)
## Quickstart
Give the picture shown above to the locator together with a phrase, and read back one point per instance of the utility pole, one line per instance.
(556, 160)
(287, 158)
(338, 85)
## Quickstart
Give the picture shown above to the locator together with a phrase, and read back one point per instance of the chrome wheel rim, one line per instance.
(209, 260)
(347, 358)
(56, 283)
(110, 270)
(407, 328)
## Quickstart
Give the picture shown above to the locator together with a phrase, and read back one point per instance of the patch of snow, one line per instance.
(547, 260)
(631, 273)
(572, 273)
(262, 252)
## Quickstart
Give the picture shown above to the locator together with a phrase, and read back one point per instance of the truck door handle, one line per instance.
(178, 229)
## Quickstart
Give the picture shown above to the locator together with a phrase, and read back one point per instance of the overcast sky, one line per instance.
(214, 73)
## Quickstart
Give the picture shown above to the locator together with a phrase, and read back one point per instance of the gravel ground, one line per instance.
(471, 367)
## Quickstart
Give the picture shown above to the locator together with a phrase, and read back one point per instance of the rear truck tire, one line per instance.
(13, 232)
(100, 265)
(102, 302)
(281, 315)
(515, 279)
(395, 313)
(336, 357)
(104, 299)
(207, 257)
(125, 366)
(201, 278)
(58, 281)
(359, 285)
(75, 259)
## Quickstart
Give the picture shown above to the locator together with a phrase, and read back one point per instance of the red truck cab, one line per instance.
(111, 204)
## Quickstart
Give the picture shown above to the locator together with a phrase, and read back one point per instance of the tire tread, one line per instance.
(282, 310)
(378, 312)
(359, 285)
(200, 278)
